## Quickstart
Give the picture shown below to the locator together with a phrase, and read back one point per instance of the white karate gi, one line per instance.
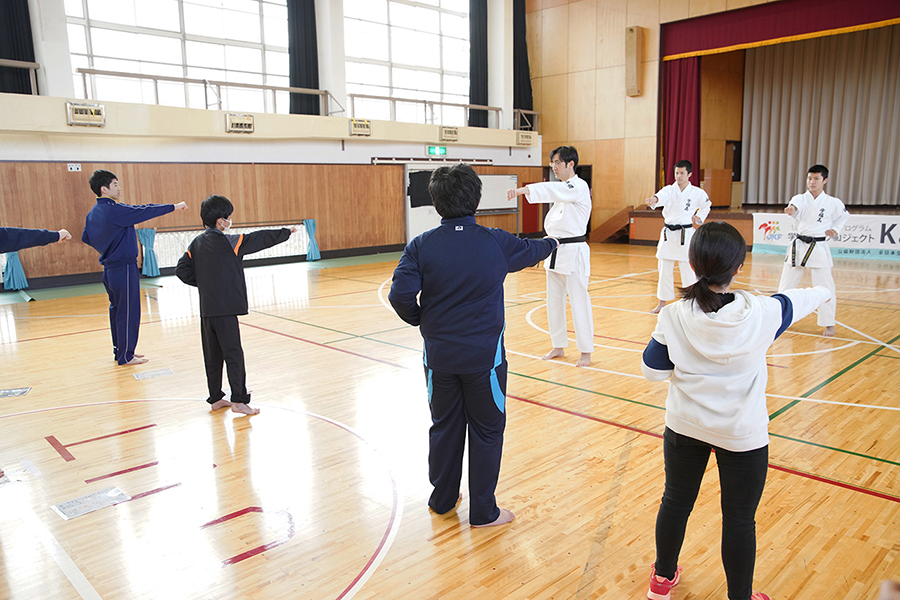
(813, 218)
(568, 217)
(679, 208)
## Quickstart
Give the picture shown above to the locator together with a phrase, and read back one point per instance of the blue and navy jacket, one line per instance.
(109, 229)
(13, 239)
(459, 268)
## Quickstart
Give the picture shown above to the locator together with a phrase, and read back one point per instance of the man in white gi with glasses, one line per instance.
(568, 267)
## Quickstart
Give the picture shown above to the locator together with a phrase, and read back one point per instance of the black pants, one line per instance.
(222, 343)
(742, 476)
(475, 403)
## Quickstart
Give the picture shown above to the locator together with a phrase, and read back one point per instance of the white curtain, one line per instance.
(832, 100)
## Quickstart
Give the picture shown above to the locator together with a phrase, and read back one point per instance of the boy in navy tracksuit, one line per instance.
(459, 268)
(13, 239)
(213, 264)
(109, 229)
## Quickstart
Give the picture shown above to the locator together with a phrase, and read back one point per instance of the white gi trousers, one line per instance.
(665, 289)
(791, 277)
(576, 286)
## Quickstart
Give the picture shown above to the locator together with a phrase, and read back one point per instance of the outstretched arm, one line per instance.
(260, 240)
(13, 239)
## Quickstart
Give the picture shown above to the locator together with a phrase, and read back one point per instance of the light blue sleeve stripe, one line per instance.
(430, 387)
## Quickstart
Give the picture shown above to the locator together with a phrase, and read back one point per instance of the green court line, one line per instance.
(841, 450)
(888, 356)
(794, 403)
(596, 393)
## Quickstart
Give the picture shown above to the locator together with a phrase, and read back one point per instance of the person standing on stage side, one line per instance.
(13, 239)
(684, 205)
(569, 268)
(457, 271)
(817, 217)
(213, 263)
(109, 229)
(711, 345)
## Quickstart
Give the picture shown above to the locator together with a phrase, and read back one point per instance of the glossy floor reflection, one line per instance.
(323, 494)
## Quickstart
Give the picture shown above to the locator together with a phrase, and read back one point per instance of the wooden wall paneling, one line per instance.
(722, 93)
(355, 206)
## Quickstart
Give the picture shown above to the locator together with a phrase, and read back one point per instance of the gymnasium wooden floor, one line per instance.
(323, 495)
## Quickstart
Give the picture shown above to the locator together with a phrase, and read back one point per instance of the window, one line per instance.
(409, 50)
(240, 41)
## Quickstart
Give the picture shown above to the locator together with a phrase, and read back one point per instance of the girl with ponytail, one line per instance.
(711, 346)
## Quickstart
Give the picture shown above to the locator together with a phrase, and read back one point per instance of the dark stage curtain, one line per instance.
(522, 97)
(478, 61)
(15, 44)
(681, 120)
(773, 23)
(304, 55)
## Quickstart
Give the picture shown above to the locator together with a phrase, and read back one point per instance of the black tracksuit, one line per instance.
(213, 264)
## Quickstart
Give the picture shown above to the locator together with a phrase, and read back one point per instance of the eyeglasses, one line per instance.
(555, 163)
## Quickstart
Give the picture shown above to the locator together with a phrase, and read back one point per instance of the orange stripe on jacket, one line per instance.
(238, 245)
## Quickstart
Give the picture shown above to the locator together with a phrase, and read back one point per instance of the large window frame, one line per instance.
(273, 57)
(389, 87)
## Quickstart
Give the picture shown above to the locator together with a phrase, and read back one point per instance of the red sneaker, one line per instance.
(660, 587)
(759, 596)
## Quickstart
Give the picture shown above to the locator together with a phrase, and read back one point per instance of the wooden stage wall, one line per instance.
(355, 206)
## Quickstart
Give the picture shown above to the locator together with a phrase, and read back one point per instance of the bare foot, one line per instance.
(658, 308)
(137, 360)
(585, 360)
(555, 353)
(506, 516)
(136, 355)
(219, 404)
(829, 331)
(243, 409)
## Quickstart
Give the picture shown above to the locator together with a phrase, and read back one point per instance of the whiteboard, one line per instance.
(493, 192)
(493, 197)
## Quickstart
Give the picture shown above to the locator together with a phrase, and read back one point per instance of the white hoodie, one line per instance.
(716, 364)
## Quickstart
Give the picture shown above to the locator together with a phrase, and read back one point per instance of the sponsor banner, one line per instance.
(874, 237)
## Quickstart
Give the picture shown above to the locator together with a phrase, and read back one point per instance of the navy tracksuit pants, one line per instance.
(473, 403)
(123, 288)
(221, 337)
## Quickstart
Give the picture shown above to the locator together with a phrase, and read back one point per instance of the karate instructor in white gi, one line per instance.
(568, 267)
(684, 205)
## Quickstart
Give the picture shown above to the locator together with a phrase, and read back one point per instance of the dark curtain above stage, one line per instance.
(478, 62)
(522, 97)
(303, 55)
(15, 44)
(681, 119)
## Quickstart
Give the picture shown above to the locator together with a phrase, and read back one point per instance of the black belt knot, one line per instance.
(807, 239)
(670, 227)
(568, 240)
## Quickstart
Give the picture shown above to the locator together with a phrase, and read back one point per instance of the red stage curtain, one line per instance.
(774, 22)
(681, 120)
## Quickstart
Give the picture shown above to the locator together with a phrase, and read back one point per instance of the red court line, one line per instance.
(132, 469)
(67, 456)
(103, 437)
(293, 337)
(59, 335)
(156, 491)
(820, 479)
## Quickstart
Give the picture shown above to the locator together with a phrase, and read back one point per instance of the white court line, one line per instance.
(850, 345)
(622, 277)
(63, 560)
(853, 404)
(381, 296)
(880, 343)
(558, 362)
(533, 324)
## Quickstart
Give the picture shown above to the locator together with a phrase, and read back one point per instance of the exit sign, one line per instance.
(436, 150)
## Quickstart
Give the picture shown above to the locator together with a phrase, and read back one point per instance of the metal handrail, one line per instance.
(324, 95)
(22, 64)
(429, 104)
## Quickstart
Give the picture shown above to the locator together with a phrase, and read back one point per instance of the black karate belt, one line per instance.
(675, 228)
(571, 240)
(807, 239)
